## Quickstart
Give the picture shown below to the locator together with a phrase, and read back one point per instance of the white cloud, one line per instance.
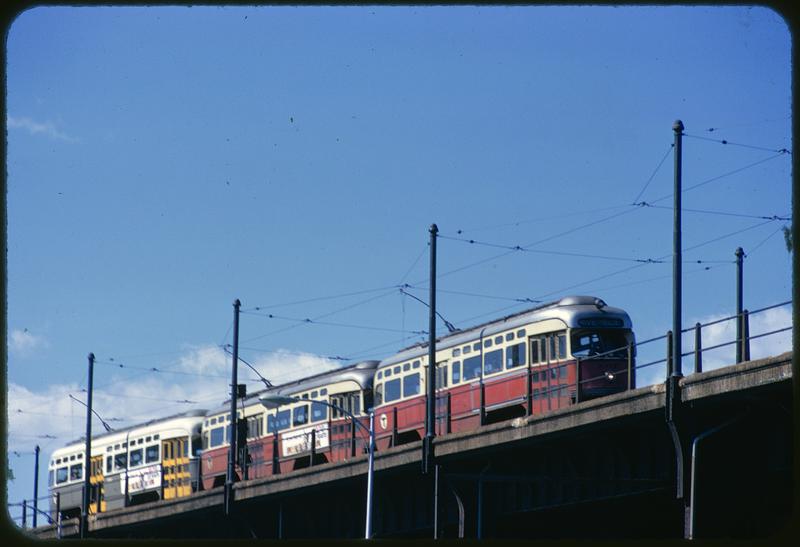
(760, 323)
(201, 375)
(284, 366)
(38, 128)
(22, 342)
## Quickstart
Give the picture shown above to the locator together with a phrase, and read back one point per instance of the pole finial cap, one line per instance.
(677, 126)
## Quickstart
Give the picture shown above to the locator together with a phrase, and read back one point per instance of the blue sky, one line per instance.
(163, 162)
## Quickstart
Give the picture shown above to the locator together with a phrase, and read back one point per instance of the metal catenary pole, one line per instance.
(229, 478)
(36, 486)
(677, 127)
(430, 414)
(88, 452)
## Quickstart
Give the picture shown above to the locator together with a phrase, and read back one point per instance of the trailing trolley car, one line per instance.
(280, 440)
(144, 462)
(537, 360)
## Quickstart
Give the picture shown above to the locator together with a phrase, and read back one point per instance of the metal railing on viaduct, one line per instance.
(709, 456)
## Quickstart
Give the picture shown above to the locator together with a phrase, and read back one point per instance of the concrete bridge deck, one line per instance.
(631, 456)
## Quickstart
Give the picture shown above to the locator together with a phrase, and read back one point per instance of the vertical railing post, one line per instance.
(746, 335)
(483, 404)
(24, 514)
(739, 303)
(449, 428)
(313, 446)
(352, 438)
(630, 366)
(529, 392)
(395, 433)
(276, 463)
(669, 353)
(698, 349)
(577, 380)
(58, 515)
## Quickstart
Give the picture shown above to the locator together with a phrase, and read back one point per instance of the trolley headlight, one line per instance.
(609, 376)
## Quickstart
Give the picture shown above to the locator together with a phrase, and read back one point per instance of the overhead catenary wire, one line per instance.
(719, 177)
(727, 142)
(709, 212)
(652, 176)
(582, 213)
(348, 307)
(763, 241)
(548, 252)
(319, 298)
(309, 321)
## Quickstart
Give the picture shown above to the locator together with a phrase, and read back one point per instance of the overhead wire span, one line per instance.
(719, 238)
(142, 397)
(540, 251)
(708, 212)
(725, 141)
(652, 176)
(583, 212)
(319, 298)
(758, 245)
(34, 413)
(297, 353)
(405, 275)
(463, 293)
(309, 321)
(351, 306)
(718, 177)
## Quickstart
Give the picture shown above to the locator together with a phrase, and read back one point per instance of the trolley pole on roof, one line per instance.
(677, 127)
(739, 304)
(36, 486)
(232, 439)
(430, 408)
(87, 457)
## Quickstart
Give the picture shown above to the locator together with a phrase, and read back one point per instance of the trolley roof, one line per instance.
(570, 310)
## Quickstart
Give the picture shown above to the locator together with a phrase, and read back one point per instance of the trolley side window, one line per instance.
(493, 361)
(534, 351)
(217, 436)
(136, 457)
(456, 372)
(472, 367)
(300, 415)
(151, 454)
(120, 461)
(411, 385)
(318, 411)
(515, 355)
(76, 472)
(278, 421)
(61, 475)
(392, 390)
(562, 345)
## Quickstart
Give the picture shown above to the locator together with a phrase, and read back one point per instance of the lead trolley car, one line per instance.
(542, 359)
